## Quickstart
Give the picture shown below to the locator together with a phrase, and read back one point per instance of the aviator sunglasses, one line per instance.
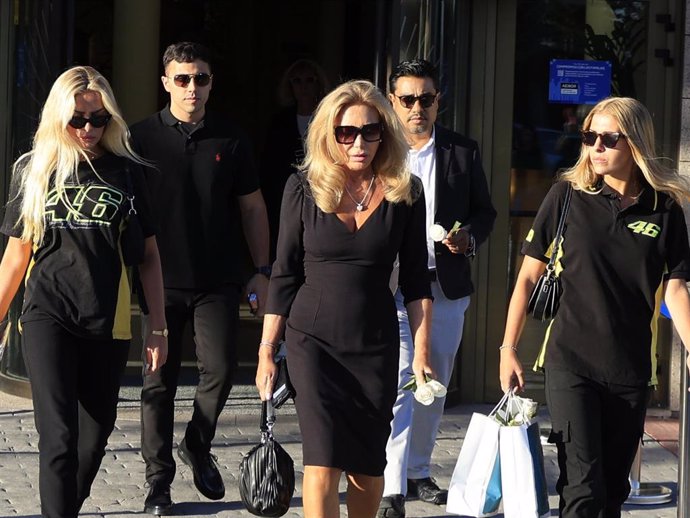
(183, 80)
(97, 121)
(609, 139)
(408, 101)
(348, 134)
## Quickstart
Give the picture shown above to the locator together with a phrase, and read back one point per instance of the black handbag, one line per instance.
(544, 300)
(282, 388)
(132, 237)
(267, 473)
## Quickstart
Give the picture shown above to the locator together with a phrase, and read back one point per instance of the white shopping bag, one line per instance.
(475, 488)
(523, 479)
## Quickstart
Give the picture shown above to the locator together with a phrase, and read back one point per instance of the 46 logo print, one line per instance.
(645, 228)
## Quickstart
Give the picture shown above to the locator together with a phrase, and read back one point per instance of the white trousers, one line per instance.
(414, 426)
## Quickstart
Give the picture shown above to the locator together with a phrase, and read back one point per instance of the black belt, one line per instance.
(432, 275)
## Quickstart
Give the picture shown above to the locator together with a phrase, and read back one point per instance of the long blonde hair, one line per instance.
(323, 156)
(636, 124)
(55, 154)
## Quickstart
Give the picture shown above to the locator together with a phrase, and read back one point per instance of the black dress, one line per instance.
(342, 326)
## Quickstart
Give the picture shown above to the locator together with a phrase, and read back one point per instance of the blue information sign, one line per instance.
(579, 81)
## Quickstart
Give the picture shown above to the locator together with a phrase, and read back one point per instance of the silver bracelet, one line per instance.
(268, 344)
(506, 346)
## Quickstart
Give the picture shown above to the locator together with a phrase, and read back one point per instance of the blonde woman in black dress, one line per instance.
(344, 219)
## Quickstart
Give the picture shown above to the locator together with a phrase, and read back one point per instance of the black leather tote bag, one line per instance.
(267, 473)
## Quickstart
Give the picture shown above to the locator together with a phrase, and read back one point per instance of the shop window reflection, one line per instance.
(546, 135)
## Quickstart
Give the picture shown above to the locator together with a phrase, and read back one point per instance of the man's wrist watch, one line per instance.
(160, 332)
(264, 270)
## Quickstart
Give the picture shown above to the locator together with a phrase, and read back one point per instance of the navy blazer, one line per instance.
(462, 194)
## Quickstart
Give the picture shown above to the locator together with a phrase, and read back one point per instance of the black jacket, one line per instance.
(462, 195)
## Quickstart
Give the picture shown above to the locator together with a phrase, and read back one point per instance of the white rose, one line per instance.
(530, 409)
(437, 388)
(424, 394)
(437, 232)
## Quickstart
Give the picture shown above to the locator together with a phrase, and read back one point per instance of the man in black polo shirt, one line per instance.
(203, 174)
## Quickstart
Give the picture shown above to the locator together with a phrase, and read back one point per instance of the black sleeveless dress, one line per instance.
(342, 326)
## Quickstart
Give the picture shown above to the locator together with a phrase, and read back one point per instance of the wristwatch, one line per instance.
(471, 248)
(160, 332)
(264, 270)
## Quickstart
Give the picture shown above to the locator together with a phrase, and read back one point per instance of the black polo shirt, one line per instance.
(200, 171)
(613, 265)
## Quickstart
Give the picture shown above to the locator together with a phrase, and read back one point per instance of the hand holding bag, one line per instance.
(267, 473)
(544, 300)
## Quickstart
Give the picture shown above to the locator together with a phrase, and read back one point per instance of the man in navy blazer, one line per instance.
(457, 199)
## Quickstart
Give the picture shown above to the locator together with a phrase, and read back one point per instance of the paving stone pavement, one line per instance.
(119, 487)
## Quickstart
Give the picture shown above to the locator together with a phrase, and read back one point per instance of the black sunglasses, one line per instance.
(408, 101)
(183, 80)
(97, 121)
(348, 134)
(609, 139)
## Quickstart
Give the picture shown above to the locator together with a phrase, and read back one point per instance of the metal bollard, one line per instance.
(683, 451)
(645, 493)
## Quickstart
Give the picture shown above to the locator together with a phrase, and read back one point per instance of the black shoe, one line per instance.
(392, 506)
(207, 478)
(158, 500)
(427, 491)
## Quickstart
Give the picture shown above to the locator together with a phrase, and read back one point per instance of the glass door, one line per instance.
(438, 31)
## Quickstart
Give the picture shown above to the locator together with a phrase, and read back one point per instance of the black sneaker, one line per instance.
(427, 491)
(158, 500)
(392, 506)
(207, 478)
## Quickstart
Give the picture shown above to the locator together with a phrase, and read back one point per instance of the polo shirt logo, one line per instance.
(645, 228)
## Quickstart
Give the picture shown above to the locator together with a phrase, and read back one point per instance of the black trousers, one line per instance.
(75, 384)
(597, 429)
(214, 317)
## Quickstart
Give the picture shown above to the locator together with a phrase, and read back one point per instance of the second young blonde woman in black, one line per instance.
(66, 216)
(625, 248)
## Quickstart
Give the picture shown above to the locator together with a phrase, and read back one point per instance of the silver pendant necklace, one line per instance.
(360, 204)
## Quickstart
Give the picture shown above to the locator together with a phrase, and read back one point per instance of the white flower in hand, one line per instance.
(437, 388)
(437, 232)
(424, 394)
(427, 392)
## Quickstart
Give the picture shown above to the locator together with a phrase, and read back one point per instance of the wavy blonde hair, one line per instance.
(323, 155)
(55, 155)
(635, 123)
